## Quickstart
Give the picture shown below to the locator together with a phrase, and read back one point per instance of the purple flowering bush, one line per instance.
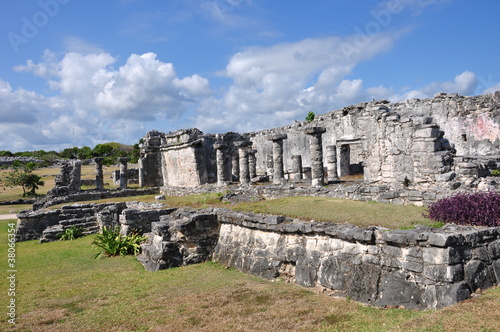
(479, 209)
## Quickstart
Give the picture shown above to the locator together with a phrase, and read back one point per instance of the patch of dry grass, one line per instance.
(48, 175)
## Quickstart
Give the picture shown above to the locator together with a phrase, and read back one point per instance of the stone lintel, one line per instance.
(242, 144)
(220, 146)
(315, 130)
(277, 137)
(196, 143)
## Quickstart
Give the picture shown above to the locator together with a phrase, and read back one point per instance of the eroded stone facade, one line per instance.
(447, 142)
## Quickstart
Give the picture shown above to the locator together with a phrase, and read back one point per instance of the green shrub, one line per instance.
(71, 233)
(310, 117)
(477, 209)
(495, 172)
(111, 243)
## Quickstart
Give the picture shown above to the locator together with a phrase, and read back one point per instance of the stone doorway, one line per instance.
(350, 158)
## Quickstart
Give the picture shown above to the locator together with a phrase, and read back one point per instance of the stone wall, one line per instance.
(181, 238)
(47, 225)
(10, 160)
(422, 268)
(91, 195)
(150, 174)
(183, 159)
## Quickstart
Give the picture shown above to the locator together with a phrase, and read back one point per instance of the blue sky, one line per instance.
(87, 72)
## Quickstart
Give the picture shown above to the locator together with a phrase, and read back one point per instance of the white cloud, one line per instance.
(45, 69)
(290, 79)
(95, 102)
(492, 89)
(463, 84)
(77, 45)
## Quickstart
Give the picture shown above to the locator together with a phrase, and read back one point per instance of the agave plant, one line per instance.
(111, 243)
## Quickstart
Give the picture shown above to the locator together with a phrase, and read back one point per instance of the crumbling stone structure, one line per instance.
(447, 142)
(69, 179)
(423, 268)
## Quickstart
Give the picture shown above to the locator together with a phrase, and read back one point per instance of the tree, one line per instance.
(23, 176)
(5, 153)
(103, 150)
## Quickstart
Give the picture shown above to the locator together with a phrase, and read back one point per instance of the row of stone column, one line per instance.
(244, 163)
(316, 156)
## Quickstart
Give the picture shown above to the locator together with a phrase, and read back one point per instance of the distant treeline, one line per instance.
(109, 151)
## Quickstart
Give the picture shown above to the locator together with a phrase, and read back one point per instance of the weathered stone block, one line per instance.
(395, 287)
(445, 239)
(477, 275)
(494, 249)
(450, 255)
(445, 177)
(442, 273)
(449, 294)
(431, 132)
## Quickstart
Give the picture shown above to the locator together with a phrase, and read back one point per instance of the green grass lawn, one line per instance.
(328, 209)
(60, 287)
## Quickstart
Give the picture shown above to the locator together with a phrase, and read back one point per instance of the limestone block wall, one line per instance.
(421, 140)
(150, 174)
(421, 268)
(183, 159)
(181, 238)
(129, 216)
(472, 124)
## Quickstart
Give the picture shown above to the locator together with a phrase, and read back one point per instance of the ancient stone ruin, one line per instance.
(424, 268)
(413, 152)
(418, 148)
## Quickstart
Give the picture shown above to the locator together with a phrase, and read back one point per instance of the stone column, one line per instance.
(331, 163)
(269, 165)
(252, 163)
(220, 150)
(296, 168)
(99, 178)
(316, 149)
(235, 165)
(243, 148)
(345, 160)
(123, 171)
(278, 172)
(76, 176)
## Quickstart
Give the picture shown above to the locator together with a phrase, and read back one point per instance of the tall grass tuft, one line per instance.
(71, 233)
